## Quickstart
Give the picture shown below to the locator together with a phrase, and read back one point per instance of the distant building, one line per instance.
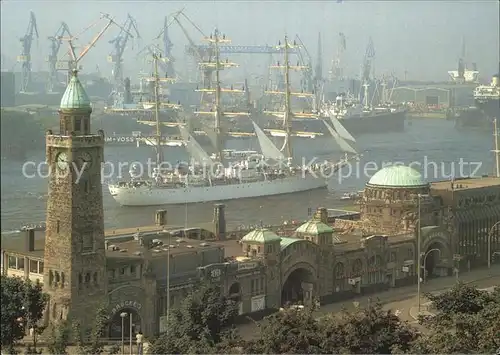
(142, 272)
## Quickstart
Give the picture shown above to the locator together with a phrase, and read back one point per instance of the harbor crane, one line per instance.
(367, 71)
(120, 43)
(25, 57)
(72, 63)
(167, 49)
(55, 45)
(337, 71)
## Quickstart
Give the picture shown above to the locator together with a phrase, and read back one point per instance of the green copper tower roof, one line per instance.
(75, 96)
(397, 176)
(261, 236)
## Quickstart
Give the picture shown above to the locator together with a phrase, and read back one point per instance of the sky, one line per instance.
(422, 38)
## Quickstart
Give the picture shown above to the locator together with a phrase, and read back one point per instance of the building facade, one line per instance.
(138, 274)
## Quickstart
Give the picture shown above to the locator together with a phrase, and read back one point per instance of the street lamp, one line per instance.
(123, 315)
(490, 234)
(425, 258)
(419, 196)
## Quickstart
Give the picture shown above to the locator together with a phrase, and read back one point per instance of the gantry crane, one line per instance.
(336, 70)
(367, 71)
(72, 63)
(119, 43)
(167, 48)
(55, 45)
(25, 57)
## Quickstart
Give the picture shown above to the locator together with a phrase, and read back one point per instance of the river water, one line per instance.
(423, 143)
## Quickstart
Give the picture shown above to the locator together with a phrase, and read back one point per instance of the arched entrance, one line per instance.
(432, 258)
(298, 287)
(124, 317)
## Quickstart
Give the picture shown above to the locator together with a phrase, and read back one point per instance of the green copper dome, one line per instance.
(397, 176)
(314, 227)
(260, 236)
(75, 96)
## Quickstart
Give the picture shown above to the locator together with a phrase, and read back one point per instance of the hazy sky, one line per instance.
(422, 37)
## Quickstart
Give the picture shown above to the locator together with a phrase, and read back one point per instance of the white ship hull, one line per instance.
(154, 196)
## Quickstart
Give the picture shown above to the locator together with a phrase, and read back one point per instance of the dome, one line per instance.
(75, 96)
(314, 227)
(397, 176)
(261, 236)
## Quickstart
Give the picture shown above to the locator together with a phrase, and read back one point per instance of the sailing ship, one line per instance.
(272, 172)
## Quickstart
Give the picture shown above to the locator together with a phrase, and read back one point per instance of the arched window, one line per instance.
(339, 271)
(57, 278)
(62, 279)
(357, 267)
(95, 278)
(87, 278)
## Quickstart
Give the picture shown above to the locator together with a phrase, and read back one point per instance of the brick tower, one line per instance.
(75, 263)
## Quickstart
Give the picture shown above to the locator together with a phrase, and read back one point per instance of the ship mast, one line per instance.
(497, 150)
(288, 115)
(216, 39)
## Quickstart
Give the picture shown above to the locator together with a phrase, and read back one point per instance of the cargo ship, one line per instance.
(487, 106)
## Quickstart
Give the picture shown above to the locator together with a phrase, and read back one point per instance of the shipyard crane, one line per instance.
(55, 45)
(119, 43)
(167, 48)
(336, 70)
(25, 57)
(368, 61)
(200, 54)
(72, 63)
(367, 71)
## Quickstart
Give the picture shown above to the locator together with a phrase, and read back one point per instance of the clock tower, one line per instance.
(75, 262)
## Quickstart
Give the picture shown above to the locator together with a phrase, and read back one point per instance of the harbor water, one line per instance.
(434, 147)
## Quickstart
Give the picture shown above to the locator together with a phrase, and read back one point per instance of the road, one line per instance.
(401, 299)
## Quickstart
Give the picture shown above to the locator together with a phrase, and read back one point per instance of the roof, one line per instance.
(75, 96)
(314, 227)
(397, 176)
(286, 242)
(466, 183)
(262, 235)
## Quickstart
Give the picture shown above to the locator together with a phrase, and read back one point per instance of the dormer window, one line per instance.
(78, 124)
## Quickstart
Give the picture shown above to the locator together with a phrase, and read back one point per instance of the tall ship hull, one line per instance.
(150, 196)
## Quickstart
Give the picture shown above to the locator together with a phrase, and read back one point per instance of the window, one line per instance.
(20, 263)
(86, 186)
(88, 242)
(57, 226)
(122, 271)
(85, 125)
(40, 267)
(133, 270)
(80, 280)
(78, 124)
(87, 278)
(95, 278)
(12, 262)
(34, 266)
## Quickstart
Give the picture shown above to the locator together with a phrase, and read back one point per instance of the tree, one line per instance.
(92, 344)
(23, 303)
(202, 324)
(59, 338)
(466, 321)
(363, 331)
(291, 331)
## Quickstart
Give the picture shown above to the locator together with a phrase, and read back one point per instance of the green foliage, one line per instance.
(23, 303)
(199, 324)
(91, 343)
(467, 321)
(59, 338)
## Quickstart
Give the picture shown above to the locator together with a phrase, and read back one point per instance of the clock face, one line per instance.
(86, 158)
(62, 161)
